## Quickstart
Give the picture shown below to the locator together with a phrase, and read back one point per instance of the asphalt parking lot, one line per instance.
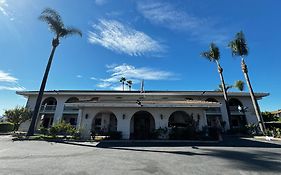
(40, 157)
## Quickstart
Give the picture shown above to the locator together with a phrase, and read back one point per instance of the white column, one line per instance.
(59, 109)
(224, 115)
(123, 122)
(79, 118)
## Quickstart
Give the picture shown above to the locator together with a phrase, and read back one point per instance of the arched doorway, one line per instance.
(104, 122)
(142, 125)
(213, 114)
(182, 125)
(237, 118)
(47, 111)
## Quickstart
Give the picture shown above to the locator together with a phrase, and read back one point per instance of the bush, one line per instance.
(63, 129)
(6, 127)
(183, 133)
(275, 132)
(43, 131)
(252, 129)
(160, 133)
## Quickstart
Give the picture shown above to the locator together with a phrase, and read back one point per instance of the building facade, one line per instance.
(137, 114)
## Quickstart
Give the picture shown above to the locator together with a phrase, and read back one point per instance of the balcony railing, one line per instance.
(70, 109)
(48, 108)
(213, 111)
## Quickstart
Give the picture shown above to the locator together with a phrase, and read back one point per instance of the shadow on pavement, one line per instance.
(227, 142)
(239, 158)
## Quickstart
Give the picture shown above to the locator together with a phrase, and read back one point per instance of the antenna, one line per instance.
(142, 86)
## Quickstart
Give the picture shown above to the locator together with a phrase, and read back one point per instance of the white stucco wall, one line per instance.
(124, 125)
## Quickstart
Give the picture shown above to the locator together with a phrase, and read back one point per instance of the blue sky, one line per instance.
(156, 40)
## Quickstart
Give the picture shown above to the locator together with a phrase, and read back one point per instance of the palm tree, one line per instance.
(239, 84)
(56, 25)
(214, 55)
(239, 48)
(123, 80)
(129, 84)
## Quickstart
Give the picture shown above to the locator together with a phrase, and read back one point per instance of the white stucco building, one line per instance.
(137, 114)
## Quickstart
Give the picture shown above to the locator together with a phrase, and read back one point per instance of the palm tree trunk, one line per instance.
(41, 92)
(123, 86)
(254, 100)
(220, 70)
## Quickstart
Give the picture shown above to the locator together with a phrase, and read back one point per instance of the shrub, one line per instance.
(6, 127)
(43, 131)
(275, 132)
(183, 133)
(252, 129)
(160, 133)
(63, 129)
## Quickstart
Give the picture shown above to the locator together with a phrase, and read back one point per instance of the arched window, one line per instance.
(50, 101)
(72, 100)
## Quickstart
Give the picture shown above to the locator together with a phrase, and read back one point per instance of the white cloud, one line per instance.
(100, 2)
(132, 73)
(171, 17)
(93, 78)
(4, 10)
(3, 6)
(12, 88)
(8, 82)
(115, 36)
(6, 77)
(79, 76)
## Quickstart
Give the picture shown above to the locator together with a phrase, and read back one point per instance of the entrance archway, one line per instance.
(104, 122)
(142, 124)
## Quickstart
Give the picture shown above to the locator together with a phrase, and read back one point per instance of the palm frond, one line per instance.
(129, 82)
(207, 55)
(240, 85)
(239, 46)
(53, 24)
(56, 25)
(227, 87)
(65, 32)
(53, 14)
(213, 54)
(122, 79)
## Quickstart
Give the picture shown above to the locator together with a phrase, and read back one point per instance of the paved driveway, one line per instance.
(39, 157)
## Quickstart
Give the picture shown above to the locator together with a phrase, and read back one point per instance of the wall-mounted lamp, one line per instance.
(123, 116)
(86, 116)
(139, 103)
(161, 116)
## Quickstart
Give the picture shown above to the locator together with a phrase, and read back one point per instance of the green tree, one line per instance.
(213, 55)
(268, 116)
(239, 84)
(129, 84)
(123, 80)
(56, 25)
(239, 48)
(17, 116)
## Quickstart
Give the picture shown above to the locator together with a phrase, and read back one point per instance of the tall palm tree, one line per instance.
(129, 84)
(239, 48)
(123, 80)
(56, 25)
(213, 55)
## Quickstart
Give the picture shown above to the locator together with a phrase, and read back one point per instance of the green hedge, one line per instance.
(6, 127)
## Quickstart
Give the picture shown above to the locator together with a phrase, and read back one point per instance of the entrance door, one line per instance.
(142, 127)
